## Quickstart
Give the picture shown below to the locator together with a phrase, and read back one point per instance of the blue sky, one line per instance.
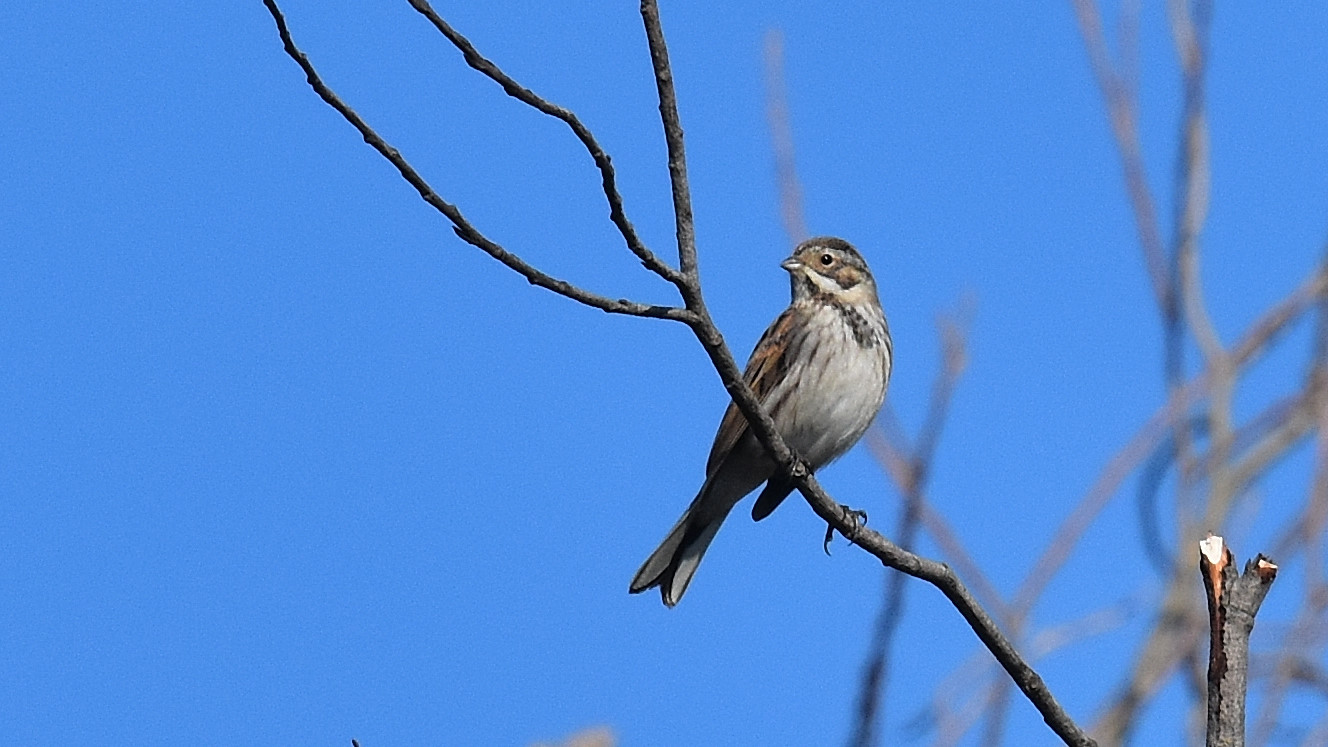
(282, 461)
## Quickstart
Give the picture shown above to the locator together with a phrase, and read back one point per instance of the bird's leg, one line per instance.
(859, 520)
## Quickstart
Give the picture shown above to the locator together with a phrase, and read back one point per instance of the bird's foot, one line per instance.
(859, 520)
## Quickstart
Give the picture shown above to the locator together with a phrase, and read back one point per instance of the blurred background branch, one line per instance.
(1217, 457)
(1213, 454)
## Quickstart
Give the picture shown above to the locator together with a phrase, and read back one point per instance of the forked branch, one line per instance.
(1234, 599)
(693, 313)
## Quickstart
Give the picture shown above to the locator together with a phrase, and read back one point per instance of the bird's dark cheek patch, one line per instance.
(848, 277)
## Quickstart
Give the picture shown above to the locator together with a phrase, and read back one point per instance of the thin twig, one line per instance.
(1294, 420)
(1304, 532)
(871, 693)
(519, 92)
(461, 226)
(1179, 622)
(1119, 94)
(781, 137)
(886, 452)
(1256, 341)
(668, 113)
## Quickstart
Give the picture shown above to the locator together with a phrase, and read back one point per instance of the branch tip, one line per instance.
(1213, 549)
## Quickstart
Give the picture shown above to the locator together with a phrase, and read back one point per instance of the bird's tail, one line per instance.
(672, 565)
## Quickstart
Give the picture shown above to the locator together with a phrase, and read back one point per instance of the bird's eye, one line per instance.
(826, 260)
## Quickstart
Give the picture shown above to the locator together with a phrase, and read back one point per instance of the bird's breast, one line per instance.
(835, 385)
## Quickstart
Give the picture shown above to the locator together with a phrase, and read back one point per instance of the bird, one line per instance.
(820, 370)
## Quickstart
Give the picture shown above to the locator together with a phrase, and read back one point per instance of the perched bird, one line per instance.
(820, 370)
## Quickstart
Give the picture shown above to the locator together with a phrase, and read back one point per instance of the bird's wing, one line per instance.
(765, 370)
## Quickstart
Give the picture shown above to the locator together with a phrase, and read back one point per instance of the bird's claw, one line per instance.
(859, 520)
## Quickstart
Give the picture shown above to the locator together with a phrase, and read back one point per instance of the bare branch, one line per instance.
(763, 428)
(1177, 632)
(592, 146)
(1103, 489)
(1236, 456)
(1118, 94)
(953, 549)
(1248, 349)
(944, 579)
(959, 700)
(890, 554)
(1097, 622)
(876, 675)
(887, 455)
(1314, 517)
(461, 226)
(668, 114)
(1233, 601)
(1304, 534)
(781, 136)
(1190, 32)
(1293, 664)
(1295, 420)
(1266, 328)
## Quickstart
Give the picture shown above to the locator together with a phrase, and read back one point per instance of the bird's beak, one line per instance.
(791, 264)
